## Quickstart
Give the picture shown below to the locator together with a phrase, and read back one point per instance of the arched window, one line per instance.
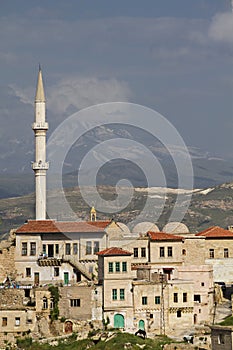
(45, 303)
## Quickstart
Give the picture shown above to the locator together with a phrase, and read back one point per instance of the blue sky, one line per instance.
(174, 56)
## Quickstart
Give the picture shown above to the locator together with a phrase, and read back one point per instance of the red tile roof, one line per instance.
(162, 236)
(215, 232)
(51, 226)
(113, 251)
(101, 224)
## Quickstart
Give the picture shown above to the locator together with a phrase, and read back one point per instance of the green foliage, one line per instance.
(117, 342)
(54, 313)
(24, 343)
(227, 322)
(106, 323)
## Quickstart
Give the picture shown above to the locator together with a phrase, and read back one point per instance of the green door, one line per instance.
(119, 321)
(141, 325)
(66, 277)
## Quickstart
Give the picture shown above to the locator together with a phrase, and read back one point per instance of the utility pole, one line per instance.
(162, 279)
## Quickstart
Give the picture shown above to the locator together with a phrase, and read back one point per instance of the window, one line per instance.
(45, 303)
(56, 248)
(226, 253)
(96, 246)
(117, 267)
(144, 300)
(157, 300)
(88, 247)
(178, 314)
(124, 266)
(169, 251)
(143, 252)
(44, 249)
(161, 252)
(4, 321)
(75, 248)
(183, 251)
(221, 339)
(67, 248)
(110, 267)
(24, 249)
(211, 253)
(202, 284)
(75, 302)
(185, 298)
(51, 303)
(17, 321)
(114, 294)
(175, 297)
(56, 271)
(91, 268)
(32, 248)
(197, 298)
(27, 293)
(122, 294)
(151, 316)
(28, 272)
(135, 252)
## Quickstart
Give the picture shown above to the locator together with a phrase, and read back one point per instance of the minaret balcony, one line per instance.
(40, 126)
(40, 165)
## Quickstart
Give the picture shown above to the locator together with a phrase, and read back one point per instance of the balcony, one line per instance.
(45, 261)
(40, 165)
(40, 126)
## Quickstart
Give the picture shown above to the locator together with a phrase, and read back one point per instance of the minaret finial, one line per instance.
(40, 95)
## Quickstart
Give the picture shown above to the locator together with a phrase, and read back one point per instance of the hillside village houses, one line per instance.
(162, 282)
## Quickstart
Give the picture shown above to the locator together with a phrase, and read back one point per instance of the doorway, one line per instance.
(119, 321)
(50, 250)
(66, 277)
(36, 278)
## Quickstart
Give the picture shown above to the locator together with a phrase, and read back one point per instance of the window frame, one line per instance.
(110, 267)
(122, 294)
(114, 294)
(117, 267)
(68, 249)
(124, 266)
(170, 252)
(144, 300)
(175, 298)
(24, 248)
(88, 247)
(211, 253)
(157, 300)
(143, 252)
(32, 248)
(135, 252)
(162, 252)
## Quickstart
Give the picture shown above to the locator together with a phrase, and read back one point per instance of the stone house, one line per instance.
(221, 337)
(218, 252)
(57, 252)
(151, 301)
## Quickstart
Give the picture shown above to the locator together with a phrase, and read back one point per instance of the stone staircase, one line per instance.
(79, 266)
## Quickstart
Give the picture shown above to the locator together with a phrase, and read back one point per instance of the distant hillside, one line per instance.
(208, 207)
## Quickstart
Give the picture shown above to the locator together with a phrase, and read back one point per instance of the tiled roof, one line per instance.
(51, 226)
(215, 232)
(101, 224)
(113, 251)
(162, 236)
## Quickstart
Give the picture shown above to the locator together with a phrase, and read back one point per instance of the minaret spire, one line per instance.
(40, 166)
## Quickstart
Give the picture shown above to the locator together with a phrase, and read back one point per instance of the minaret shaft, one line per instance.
(40, 166)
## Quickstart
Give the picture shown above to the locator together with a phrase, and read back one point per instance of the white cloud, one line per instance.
(83, 92)
(221, 28)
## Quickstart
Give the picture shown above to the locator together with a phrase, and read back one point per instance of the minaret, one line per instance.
(40, 166)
